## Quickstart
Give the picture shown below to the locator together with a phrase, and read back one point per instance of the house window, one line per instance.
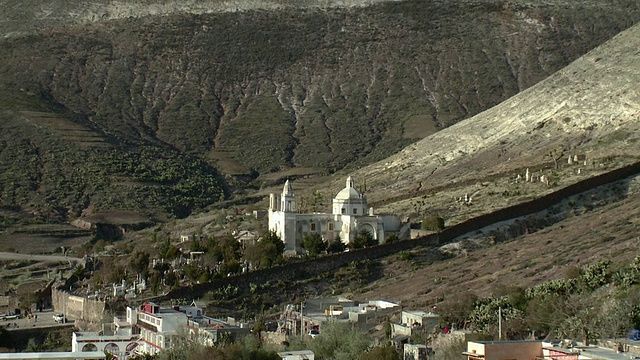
(313, 227)
(344, 211)
(355, 211)
(330, 226)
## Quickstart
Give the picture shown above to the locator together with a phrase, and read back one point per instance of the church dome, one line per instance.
(349, 192)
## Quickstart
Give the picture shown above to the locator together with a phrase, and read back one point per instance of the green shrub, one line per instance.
(433, 223)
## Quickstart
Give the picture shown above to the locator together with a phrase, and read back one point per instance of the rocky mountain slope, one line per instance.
(22, 17)
(590, 109)
(580, 121)
(258, 92)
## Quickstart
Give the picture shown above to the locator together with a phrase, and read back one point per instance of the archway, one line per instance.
(370, 229)
(131, 346)
(112, 348)
(89, 347)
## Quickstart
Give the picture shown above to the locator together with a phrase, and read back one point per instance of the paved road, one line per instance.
(53, 258)
(44, 319)
(605, 354)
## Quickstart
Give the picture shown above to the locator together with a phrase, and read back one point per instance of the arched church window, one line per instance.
(330, 226)
(313, 226)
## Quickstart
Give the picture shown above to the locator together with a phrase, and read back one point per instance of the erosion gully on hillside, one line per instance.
(332, 87)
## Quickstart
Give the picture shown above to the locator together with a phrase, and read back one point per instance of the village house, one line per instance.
(149, 329)
(120, 340)
(349, 216)
(416, 352)
(415, 322)
(517, 350)
(297, 355)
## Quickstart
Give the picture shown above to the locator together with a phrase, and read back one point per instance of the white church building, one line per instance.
(349, 216)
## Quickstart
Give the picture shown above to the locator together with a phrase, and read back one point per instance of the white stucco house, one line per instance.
(149, 329)
(350, 214)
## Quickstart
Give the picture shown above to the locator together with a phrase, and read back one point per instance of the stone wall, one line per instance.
(539, 204)
(296, 270)
(310, 268)
(76, 307)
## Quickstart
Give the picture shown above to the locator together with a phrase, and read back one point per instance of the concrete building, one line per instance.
(120, 343)
(415, 352)
(208, 331)
(149, 329)
(415, 322)
(350, 215)
(297, 355)
(516, 350)
(159, 328)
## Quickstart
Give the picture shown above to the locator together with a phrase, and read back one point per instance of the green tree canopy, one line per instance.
(385, 352)
(363, 239)
(433, 223)
(314, 244)
(266, 252)
(272, 238)
(339, 341)
(139, 262)
(337, 246)
(169, 251)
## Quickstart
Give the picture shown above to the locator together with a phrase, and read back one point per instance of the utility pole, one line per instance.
(500, 323)
(302, 319)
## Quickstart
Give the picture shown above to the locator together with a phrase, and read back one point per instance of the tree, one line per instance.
(168, 251)
(391, 239)
(363, 239)
(385, 352)
(339, 341)
(78, 273)
(155, 280)
(266, 252)
(272, 238)
(455, 311)
(223, 249)
(139, 262)
(192, 271)
(117, 274)
(337, 246)
(433, 223)
(258, 328)
(314, 244)
(171, 279)
(162, 267)
(544, 314)
(555, 155)
(196, 245)
(6, 340)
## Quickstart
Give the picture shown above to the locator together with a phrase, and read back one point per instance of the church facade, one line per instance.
(350, 215)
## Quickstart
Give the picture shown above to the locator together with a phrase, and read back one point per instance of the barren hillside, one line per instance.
(257, 94)
(589, 111)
